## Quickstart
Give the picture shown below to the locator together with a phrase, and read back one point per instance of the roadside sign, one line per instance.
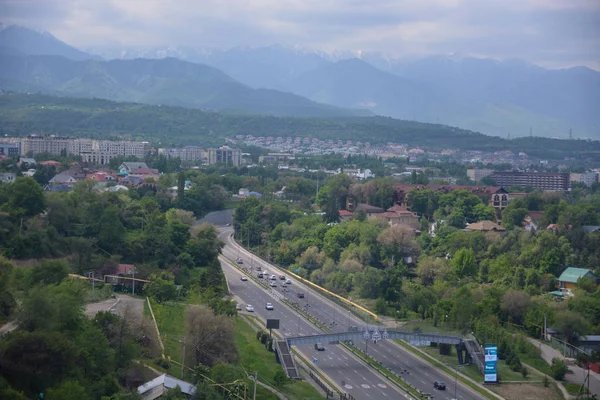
(315, 361)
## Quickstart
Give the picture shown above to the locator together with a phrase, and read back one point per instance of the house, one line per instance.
(368, 209)
(117, 188)
(125, 269)
(568, 279)
(58, 188)
(591, 228)
(484, 226)
(27, 161)
(398, 215)
(62, 179)
(133, 181)
(101, 176)
(7, 177)
(531, 221)
(51, 163)
(145, 173)
(30, 173)
(155, 388)
(128, 166)
(345, 215)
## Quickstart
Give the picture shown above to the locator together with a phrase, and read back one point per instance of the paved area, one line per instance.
(578, 374)
(125, 306)
(8, 327)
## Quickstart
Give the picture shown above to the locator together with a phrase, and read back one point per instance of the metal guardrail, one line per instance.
(358, 336)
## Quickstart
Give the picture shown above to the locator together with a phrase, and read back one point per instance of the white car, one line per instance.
(244, 278)
(273, 284)
(238, 307)
(249, 308)
(273, 278)
(269, 306)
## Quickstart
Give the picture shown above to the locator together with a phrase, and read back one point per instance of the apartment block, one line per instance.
(587, 178)
(225, 155)
(188, 153)
(478, 174)
(45, 144)
(10, 149)
(538, 180)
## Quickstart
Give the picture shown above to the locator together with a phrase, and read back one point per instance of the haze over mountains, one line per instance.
(484, 95)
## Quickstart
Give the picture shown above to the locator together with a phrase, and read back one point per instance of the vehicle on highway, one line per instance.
(282, 277)
(273, 278)
(238, 307)
(260, 275)
(244, 278)
(240, 261)
(269, 306)
(273, 284)
(319, 347)
(258, 268)
(300, 295)
(249, 308)
(439, 385)
(283, 284)
(288, 282)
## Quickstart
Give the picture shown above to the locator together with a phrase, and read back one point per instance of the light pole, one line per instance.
(182, 341)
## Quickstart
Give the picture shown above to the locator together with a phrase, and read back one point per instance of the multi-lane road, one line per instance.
(340, 366)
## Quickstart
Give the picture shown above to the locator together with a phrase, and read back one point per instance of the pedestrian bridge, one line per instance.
(415, 338)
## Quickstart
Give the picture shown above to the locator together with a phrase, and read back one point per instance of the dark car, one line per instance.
(439, 385)
(319, 347)
(300, 295)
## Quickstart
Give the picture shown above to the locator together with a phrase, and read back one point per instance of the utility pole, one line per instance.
(182, 356)
(570, 134)
(133, 271)
(255, 383)
(455, 382)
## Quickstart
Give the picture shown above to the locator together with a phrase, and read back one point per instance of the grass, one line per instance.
(426, 326)
(573, 388)
(536, 362)
(170, 318)
(255, 357)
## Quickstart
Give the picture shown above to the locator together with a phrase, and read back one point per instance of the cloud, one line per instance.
(548, 32)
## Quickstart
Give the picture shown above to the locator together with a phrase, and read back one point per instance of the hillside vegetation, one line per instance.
(22, 114)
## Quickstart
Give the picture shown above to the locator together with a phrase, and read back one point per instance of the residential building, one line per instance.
(539, 180)
(62, 179)
(225, 155)
(45, 144)
(478, 174)
(485, 226)
(591, 228)
(144, 173)
(10, 149)
(27, 161)
(102, 151)
(568, 279)
(7, 177)
(398, 215)
(155, 388)
(369, 210)
(587, 178)
(496, 196)
(128, 166)
(273, 158)
(188, 153)
(345, 215)
(51, 163)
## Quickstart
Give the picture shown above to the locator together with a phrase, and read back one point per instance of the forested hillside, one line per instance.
(22, 114)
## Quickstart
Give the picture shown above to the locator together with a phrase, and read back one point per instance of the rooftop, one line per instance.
(573, 274)
(485, 226)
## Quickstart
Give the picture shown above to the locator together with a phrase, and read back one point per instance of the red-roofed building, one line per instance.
(102, 176)
(125, 269)
(145, 173)
(345, 215)
(398, 215)
(51, 163)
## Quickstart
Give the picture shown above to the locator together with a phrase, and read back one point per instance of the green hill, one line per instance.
(22, 114)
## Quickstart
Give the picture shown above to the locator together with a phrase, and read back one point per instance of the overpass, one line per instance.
(416, 338)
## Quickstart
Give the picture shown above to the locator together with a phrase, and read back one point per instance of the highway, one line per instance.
(336, 363)
(414, 370)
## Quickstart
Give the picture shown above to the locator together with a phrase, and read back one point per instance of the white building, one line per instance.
(45, 144)
(225, 155)
(478, 174)
(587, 178)
(188, 153)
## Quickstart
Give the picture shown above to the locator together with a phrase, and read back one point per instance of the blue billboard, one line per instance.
(491, 360)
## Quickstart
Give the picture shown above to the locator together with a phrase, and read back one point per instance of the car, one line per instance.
(269, 306)
(260, 275)
(319, 347)
(238, 307)
(249, 308)
(282, 277)
(300, 295)
(244, 278)
(288, 282)
(240, 261)
(228, 224)
(258, 268)
(273, 278)
(439, 385)
(273, 284)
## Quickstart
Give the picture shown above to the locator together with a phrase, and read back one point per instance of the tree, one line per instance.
(112, 230)
(161, 287)
(398, 241)
(513, 217)
(570, 324)
(558, 369)
(25, 198)
(180, 185)
(463, 263)
(515, 304)
(211, 337)
(49, 272)
(329, 202)
(67, 390)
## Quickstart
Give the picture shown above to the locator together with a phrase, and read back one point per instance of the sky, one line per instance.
(550, 33)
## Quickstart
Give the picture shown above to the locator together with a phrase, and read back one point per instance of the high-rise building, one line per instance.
(225, 155)
(538, 180)
(10, 149)
(478, 174)
(45, 144)
(188, 153)
(587, 178)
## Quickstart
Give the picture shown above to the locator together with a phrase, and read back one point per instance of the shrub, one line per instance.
(445, 349)
(546, 381)
(280, 378)
(558, 369)
(524, 372)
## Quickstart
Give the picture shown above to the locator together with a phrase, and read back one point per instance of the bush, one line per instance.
(558, 369)
(162, 362)
(280, 378)
(524, 372)
(546, 381)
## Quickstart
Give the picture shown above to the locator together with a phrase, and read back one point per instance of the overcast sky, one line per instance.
(551, 33)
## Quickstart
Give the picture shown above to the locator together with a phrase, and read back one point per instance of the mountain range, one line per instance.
(494, 97)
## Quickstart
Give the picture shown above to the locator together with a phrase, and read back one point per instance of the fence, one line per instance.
(330, 393)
